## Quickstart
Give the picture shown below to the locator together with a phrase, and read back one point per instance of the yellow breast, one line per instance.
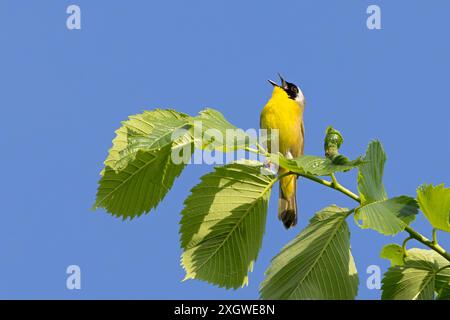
(286, 115)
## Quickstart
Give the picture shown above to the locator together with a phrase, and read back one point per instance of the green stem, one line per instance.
(334, 180)
(251, 150)
(332, 185)
(261, 149)
(404, 245)
(435, 236)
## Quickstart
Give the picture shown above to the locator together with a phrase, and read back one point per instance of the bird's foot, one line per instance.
(269, 168)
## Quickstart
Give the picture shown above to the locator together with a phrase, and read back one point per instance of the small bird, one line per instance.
(284, 111)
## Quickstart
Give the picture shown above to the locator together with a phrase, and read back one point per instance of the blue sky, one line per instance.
(65, 92)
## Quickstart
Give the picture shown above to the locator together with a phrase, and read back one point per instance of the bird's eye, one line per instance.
(295, 89)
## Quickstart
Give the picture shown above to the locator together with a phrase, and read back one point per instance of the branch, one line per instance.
(333, 185)
(430, 244)
(412, 233)
(337, 186)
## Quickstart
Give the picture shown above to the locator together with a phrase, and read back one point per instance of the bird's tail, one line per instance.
(287, 200)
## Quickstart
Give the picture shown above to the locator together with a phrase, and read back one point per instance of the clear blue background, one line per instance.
(63, 93)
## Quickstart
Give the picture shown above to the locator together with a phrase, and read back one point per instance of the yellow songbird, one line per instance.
(284, 111)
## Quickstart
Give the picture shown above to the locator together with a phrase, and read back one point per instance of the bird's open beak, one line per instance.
(283, 82)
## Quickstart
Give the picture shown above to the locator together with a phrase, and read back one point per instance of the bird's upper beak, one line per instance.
(283, 82)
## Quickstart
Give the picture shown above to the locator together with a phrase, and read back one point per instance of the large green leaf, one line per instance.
(442, 283)
(388, 217)
(314, 165)
(435, 204)
(217, 133)
(140, 168)
(223, 224)
(140, 186)
(370, 176)
(154, 126)
(317, 264)
(419, 278)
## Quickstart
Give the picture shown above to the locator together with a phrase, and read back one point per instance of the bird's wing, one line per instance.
(302, 130)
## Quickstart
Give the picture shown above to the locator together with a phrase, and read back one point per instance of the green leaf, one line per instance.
(370, 176)
(394, 253)
(140, 168)
(408, 283)
(317, 264)
(388, 217)
(444, 294)
(314, 165)
(140, 186)
(223, 223)
(418, 278)
(435, 204)
(217, 133)
(442, 283)
(153, 126)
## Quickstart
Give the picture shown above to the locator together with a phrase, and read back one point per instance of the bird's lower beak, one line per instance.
(272, 83)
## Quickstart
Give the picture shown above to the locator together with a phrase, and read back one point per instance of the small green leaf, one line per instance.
(319, 166)
(435, 204)
(223, 223)
(370, 176)
(317, 264)
(388, 217)
(418, 278)
(332, 142)
(394, 253)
